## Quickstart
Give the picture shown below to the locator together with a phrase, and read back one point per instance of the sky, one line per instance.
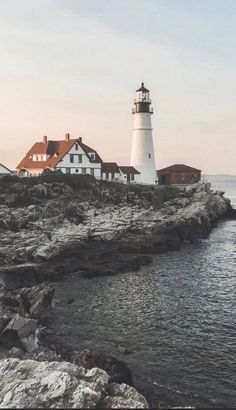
(74, 65)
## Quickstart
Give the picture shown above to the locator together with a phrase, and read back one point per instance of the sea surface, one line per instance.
(178, 316)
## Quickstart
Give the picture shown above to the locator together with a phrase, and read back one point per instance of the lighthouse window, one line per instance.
(149, 155)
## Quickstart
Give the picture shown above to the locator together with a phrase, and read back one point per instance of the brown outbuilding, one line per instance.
(178, 174)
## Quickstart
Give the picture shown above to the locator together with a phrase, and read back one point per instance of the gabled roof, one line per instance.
(88, 150)
(51, 148)
(7, 169)
(128, 170)
(110, 167)
(179, 168)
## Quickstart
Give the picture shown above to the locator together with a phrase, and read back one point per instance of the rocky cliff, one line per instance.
(33, 384)
(54, 225)
(49, 228)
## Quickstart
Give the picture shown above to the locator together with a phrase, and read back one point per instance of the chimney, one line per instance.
(80, 139)
(67, 136)
(45, 138)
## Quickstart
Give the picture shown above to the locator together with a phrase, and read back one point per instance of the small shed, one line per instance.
(128, 174)
(178, 174)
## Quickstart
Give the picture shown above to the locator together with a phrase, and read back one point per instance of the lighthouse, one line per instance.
(142, 153)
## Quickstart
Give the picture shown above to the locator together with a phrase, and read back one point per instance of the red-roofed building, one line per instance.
(110, 171)
(113, 172)
(70, 156)
(178, 174)
(128, 174)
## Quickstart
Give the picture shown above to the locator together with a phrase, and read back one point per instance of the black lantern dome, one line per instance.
(142, 102)
(142, 88)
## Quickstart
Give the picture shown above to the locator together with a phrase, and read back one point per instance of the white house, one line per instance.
(110, 171)
(117, 173)
(70, 156)
(129, 175)
(4, 170)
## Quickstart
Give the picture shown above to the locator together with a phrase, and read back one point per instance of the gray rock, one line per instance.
(34, 302)
(33, 384)
(23, 326)
(123, 396)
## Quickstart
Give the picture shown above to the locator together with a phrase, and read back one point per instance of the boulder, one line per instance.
(46, 252)
(23, 326)
(34, 302)
(123, 396)
(117, 370)
(33, 384)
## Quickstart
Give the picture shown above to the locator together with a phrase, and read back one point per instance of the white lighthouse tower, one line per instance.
(142, 153)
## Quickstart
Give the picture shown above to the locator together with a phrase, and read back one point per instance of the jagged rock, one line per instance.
(41, 233)
(24, 327)
(9, 338)
(117, 370)
(32, 384)
(34, 302)
(19, 310)
(47, 251)
(123, 396)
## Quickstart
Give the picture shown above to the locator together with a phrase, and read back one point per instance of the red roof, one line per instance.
(179, 168)
(60, 148)
(110, 167)
(128, 170)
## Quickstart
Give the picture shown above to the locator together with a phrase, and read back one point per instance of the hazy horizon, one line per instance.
(73, 66)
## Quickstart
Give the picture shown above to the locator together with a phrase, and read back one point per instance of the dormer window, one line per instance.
(92, 155)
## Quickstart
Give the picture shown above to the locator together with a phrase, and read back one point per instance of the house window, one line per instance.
(37, 158)
(149, 155)
(41, 157)
(132, 177)
(76, 170)
(71, 158)
(83, 171)
(67, 170)
(112, 175)
(80, 158)
(92, 155)
(107, 176)
(92, 171)
(76, 147)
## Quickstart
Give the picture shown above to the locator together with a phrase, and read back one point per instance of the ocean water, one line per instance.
(224, 183)
(178, 316)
